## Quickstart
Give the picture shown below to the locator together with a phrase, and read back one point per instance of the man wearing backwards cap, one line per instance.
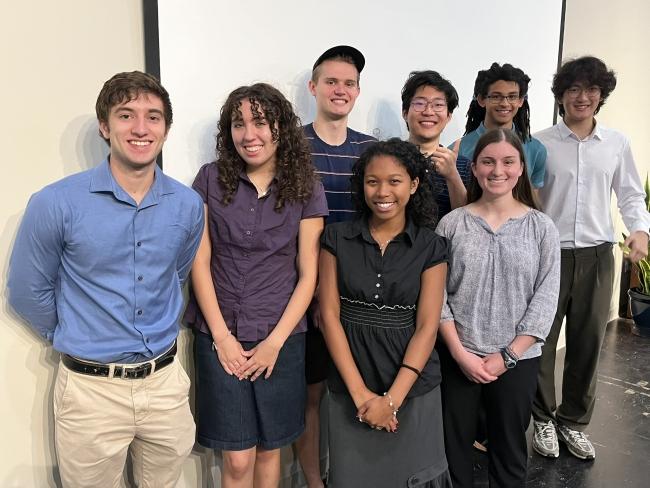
(334, 150)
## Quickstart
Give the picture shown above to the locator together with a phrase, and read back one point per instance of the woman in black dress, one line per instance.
(382, 278)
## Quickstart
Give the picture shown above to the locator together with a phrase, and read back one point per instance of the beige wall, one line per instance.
(56, 55)
(617, 32)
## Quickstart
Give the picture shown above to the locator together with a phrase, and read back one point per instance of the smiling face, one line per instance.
(497, 169)
(336, 89)
(387, 188)
(252, 137)
(426, 126)
(580, 103)
(499, 112)
(135, 131)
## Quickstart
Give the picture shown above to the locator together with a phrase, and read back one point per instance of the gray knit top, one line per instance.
(501, 284)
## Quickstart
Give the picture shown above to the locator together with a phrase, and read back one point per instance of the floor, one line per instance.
(620, 427)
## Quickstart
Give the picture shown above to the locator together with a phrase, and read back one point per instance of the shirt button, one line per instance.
(139, 312)
(379, 275)
(148, 340)
(248, 232)
(377, 285)
(139, 244)
(376, 296)
(252, 210)
(140, 278)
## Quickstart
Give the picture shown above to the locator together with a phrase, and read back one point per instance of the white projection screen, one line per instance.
(208, 48)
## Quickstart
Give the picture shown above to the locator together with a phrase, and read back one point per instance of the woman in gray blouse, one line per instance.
(502, 290)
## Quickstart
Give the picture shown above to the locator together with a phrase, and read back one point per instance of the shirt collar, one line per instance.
(102, 180)
(360, 227)
(481, 129)
(565, 132)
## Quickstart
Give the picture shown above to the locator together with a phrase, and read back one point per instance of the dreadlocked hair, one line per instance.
(485, 78)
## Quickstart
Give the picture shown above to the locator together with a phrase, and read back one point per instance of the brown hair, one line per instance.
(294, 171)
(522, 191)
(124, 87)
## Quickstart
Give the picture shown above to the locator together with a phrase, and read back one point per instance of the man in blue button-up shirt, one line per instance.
(97, 269)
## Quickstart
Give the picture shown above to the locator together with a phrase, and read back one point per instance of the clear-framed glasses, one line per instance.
(498, 98)
(591, 91)
(437, 104)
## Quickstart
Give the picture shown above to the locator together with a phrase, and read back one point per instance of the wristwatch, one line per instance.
(509, 361)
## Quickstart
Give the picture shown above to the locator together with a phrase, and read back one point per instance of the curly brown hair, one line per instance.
(294, 171)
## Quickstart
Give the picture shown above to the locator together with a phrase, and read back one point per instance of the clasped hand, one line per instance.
(377, 413)
(247, 364)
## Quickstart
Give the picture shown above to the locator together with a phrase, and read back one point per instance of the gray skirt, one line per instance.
(412, 457)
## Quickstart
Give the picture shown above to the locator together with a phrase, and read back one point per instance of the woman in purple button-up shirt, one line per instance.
(252, 280)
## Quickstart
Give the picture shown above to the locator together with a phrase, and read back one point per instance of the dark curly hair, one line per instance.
(421, 208)
(485, 78)
(588, 70)
(523, 191)
(127, 86)
(294, 171)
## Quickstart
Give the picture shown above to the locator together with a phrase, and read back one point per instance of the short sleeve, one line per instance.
(200, 184)
(316, 206)
(328, 238)
(438, 251)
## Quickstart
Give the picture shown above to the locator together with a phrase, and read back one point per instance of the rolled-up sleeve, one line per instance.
(35, 262)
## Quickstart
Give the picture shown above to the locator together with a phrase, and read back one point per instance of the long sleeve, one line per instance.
(629, 192)
(541, 309)
(35, 261)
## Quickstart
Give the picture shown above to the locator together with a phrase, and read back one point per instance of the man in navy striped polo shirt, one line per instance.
(335, 148)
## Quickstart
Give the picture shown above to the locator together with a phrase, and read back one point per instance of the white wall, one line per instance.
(55, 57)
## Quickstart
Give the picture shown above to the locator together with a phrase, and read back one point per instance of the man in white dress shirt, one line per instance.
(585, 162)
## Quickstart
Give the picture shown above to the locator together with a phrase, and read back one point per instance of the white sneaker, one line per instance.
(576, 442)
(545, 439)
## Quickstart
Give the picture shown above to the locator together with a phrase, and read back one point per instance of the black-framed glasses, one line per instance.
(590, 91)
(437, 104)
(498, 98)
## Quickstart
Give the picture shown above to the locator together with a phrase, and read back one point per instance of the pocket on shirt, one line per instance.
(175, 237)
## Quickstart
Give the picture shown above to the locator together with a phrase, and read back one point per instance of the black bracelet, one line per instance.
(415, 370)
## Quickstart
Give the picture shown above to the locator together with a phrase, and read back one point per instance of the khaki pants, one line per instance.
(98, 419)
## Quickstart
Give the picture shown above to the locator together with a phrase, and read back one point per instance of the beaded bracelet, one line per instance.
(391, 404)
(415, 370)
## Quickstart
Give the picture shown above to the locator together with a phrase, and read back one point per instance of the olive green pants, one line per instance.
(585, 293)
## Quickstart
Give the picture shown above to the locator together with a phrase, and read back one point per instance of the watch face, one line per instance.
(508, 361)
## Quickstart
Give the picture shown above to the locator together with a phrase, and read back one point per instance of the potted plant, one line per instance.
(640, 295)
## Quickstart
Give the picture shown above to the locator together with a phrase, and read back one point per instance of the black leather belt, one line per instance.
(125, 371)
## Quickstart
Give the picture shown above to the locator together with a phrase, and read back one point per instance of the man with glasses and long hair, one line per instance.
(428, 101)
(586, 161)
(501, 102)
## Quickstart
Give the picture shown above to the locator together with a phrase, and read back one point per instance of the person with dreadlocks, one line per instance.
(501, 102)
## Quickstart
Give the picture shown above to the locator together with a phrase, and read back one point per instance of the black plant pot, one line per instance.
(640, 305)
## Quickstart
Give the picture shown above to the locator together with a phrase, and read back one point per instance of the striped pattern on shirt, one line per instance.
(334, 166)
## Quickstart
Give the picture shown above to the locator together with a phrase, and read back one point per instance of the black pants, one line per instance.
(586, 283)
(507, 402)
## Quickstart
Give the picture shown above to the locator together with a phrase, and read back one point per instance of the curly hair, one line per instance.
(522, 191)
(485, 78)
(421, 207)
(127, 86)
(294, 171)
(588, 70)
